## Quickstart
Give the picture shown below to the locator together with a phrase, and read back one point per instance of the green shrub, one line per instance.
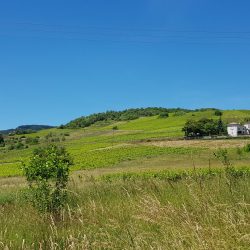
(217, 113)
(32, 141)
(11, 147)
(47, 174)
(19, 145)
(179, 113)
(163, 115)
(2, 143)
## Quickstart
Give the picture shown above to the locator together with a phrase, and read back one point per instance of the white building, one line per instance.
(247, 126)
(236, 129)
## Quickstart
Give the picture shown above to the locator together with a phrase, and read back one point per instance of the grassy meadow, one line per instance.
(140, 186)
(133, 213)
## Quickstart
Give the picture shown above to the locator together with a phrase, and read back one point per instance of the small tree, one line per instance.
(115, 128)
(2, 143)
(218, 113)
(221, 127)
(47, 174)
(163, 115)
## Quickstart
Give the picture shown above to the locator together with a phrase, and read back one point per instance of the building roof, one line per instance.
(233, 124)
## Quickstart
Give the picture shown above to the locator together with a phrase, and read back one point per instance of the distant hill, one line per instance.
(128, 114)
(124, 115)
(26, 129)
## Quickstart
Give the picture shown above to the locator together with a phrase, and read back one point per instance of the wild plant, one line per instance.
(47, 175)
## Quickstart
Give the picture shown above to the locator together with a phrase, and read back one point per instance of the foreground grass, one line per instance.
(211, 212)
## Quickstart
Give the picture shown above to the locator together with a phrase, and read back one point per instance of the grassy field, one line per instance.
(100, 147)
(138, 187)
(199, 212)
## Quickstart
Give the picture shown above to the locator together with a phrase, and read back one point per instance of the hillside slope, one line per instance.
(126, 147)
(24, 128)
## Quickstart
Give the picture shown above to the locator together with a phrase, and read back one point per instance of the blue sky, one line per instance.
(63, 59)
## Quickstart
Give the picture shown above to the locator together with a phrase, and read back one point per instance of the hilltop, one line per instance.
(129, 114)
(26, 128)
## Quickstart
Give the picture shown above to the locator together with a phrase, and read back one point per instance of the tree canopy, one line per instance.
(2, 143)
(125, 115)
(204, 127)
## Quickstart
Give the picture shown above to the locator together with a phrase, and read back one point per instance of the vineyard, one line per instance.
(100, 146)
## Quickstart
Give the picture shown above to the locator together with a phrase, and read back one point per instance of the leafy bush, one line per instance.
(19, 145)
(32, 141)
(115, 128)
(179, 113)
(217, 113)
(2, 143)
(163, 115)
(47, 174)
(11, 147)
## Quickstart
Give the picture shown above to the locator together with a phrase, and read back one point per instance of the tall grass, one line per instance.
(137, 213)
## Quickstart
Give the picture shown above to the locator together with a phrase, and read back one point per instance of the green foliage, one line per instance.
(2, 143)
(92, 138)
(11, 147)
(125, 115)
(222, 155)
(239, 152)
(177, 175)
(164, 115)
(49, 135)
(218, 112)
(203, 127)
(246, 119)
(221, 128)
(47, 174)
(32, 140)
(179, 113)
(205, 109)
(19, 145)
(111, 156)
(23, 131)
(197, 212)
(247, 148)
(61, 126)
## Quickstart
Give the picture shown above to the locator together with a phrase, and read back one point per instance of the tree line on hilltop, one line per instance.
(125, 115)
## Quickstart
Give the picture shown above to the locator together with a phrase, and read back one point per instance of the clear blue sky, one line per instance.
(63, 59)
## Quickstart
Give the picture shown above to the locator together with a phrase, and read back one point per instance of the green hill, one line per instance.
(122, 144)
(135, 184)
(26, 129)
